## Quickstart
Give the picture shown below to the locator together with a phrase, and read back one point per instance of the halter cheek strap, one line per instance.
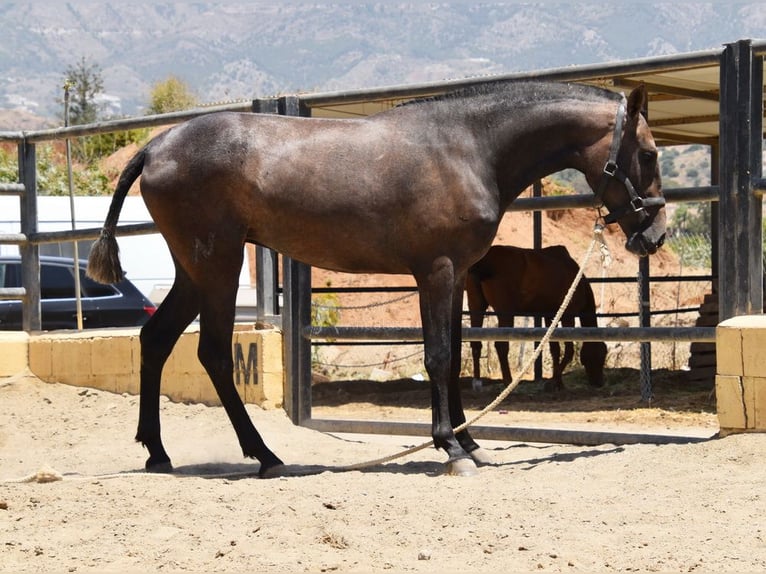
(637, 204)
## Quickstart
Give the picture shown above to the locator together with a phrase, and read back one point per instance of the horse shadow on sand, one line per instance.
(432, 468)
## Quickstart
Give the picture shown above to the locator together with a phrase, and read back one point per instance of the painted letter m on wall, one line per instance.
(245, 369)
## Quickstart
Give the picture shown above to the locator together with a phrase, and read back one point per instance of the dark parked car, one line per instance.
(117, 305)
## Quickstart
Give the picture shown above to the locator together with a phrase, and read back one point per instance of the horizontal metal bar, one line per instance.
(12, 188)
(565, 74)
(11, 136)
(127, 123)
(510, 434)
(682, 194)
(90, 233)
(607, 334)
(590, 72)
(593, 280)
(553, 202)
(759, 186)
(13, 238)
(13, 293)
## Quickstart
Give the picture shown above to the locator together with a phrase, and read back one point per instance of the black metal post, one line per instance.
(740, 257)
(266, 260)
(537, 243)
(715, 179)
(297, 315)
(645, 320)
(267, 285)
(30, 252)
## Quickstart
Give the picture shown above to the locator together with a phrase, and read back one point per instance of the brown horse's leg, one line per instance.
(555, 382)
(217, 310)
(559, 364)
(477, 307)
(568, 356)
(158, 337)
(568, 351)
(502, 348)
(439, 291)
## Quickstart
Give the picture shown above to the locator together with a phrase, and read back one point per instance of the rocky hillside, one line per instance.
(238, 50)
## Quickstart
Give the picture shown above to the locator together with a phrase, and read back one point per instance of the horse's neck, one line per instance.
(543, 139)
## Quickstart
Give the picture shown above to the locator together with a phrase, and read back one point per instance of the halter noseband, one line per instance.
(637, 203)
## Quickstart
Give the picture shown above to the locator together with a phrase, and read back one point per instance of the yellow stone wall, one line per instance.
(741, 374)
(110, 359)
(13, 352)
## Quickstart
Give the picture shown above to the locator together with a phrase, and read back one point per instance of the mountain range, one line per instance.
(241, 50)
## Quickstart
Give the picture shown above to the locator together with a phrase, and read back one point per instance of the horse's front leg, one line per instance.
(442, 337)
(457, 414)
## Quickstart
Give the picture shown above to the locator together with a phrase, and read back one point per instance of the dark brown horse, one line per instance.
(419, 189)
(517, 281)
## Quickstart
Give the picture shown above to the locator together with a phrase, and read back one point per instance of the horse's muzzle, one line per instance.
(641, 245)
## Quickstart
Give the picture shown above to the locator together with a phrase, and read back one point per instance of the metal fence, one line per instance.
(741, 132)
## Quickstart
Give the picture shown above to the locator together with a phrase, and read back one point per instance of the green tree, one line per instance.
(52, 177)
(84, 82)
(171, 95)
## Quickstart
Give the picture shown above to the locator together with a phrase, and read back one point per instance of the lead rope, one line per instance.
(48, 475)
(598, 237)
(606, 261)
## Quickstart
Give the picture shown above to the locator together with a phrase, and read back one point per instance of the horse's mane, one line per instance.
(521, 93)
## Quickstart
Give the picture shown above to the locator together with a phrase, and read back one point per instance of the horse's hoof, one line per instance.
(159, 467)
(273, 471)
(552, 386)
(461, 467)
(481, 456)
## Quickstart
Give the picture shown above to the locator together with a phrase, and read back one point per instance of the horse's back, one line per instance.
(347, 195)
(516, 279)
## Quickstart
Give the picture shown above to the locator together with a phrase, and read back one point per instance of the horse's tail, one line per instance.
(104, 259)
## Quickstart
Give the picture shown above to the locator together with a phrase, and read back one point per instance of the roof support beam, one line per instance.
(740, 255)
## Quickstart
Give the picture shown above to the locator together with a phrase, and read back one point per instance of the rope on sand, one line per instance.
(46, 475)
(598, 237)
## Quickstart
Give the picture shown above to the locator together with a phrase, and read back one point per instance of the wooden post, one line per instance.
(740, 256)
(297, 316)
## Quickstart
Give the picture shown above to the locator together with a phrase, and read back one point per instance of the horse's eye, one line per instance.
(648, 155)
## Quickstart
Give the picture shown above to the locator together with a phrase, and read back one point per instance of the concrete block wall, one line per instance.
(110, 360)
(14, 356)
(741, 374)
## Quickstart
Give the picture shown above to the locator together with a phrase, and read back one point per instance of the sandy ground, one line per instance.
(697, 506)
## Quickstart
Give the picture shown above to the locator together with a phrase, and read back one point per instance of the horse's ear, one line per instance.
(637, 101)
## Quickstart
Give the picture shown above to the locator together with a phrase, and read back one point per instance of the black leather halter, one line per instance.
(637, 203)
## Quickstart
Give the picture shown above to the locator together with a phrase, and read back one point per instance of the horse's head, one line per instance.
(626, 178)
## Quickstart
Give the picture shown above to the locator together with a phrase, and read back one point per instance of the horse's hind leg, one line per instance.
(158, 337)
(559, 363)
(502, 348)
(217, 310)
(555, 383)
